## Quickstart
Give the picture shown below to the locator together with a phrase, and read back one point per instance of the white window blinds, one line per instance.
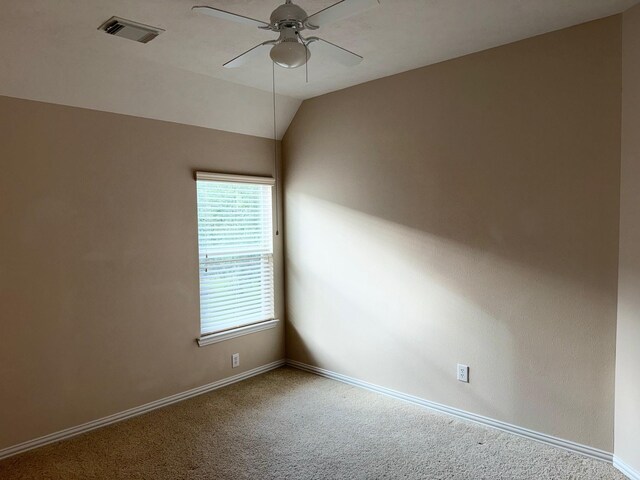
(235, 250)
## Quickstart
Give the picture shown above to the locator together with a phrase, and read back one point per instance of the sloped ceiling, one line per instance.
(52, 51)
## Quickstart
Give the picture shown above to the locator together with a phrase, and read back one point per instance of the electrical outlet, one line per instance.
(235, 360)
(463, 373)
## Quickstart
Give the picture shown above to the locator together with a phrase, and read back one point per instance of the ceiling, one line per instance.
(52, 51)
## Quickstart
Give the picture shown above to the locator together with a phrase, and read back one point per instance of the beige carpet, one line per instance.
(288, 424)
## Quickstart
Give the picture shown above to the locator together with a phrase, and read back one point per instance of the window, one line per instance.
(235, 254)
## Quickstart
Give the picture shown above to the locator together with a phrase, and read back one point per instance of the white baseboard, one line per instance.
(117, 417)
(132, 412)
(523, 432)
(626, 469)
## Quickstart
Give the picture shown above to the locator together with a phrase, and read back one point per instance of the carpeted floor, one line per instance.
(288, 424)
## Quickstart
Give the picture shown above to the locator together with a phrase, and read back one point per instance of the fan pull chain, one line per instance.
(275, 144)
(306, 63)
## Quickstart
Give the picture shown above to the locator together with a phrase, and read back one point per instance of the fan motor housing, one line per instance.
(288, 15)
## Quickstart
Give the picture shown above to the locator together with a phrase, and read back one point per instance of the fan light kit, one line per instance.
(291, 49)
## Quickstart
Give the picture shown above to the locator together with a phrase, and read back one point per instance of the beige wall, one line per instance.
(627, 426)
(467, 212)
(98, 264)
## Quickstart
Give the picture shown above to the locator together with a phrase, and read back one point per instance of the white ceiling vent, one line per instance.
(132, 30)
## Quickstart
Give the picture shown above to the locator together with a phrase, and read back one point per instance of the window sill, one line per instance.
(236, 332)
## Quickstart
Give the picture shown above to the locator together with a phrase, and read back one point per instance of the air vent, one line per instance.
(131, 30)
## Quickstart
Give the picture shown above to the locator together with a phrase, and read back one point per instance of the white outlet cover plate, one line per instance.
(463, 373)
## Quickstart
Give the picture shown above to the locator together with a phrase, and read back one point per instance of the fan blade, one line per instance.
(249, 55)
(333, 51)
(337, 11)
(224, 15)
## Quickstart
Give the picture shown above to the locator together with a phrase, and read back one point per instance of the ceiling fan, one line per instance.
(291, 49)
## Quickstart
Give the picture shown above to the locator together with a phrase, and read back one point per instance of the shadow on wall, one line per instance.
(373, 296)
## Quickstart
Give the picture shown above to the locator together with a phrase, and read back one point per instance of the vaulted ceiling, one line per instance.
(52, 51)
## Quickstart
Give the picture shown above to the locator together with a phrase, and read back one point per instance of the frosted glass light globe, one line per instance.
(290, 54)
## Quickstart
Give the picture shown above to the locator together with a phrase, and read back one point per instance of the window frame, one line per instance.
(244, 329)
